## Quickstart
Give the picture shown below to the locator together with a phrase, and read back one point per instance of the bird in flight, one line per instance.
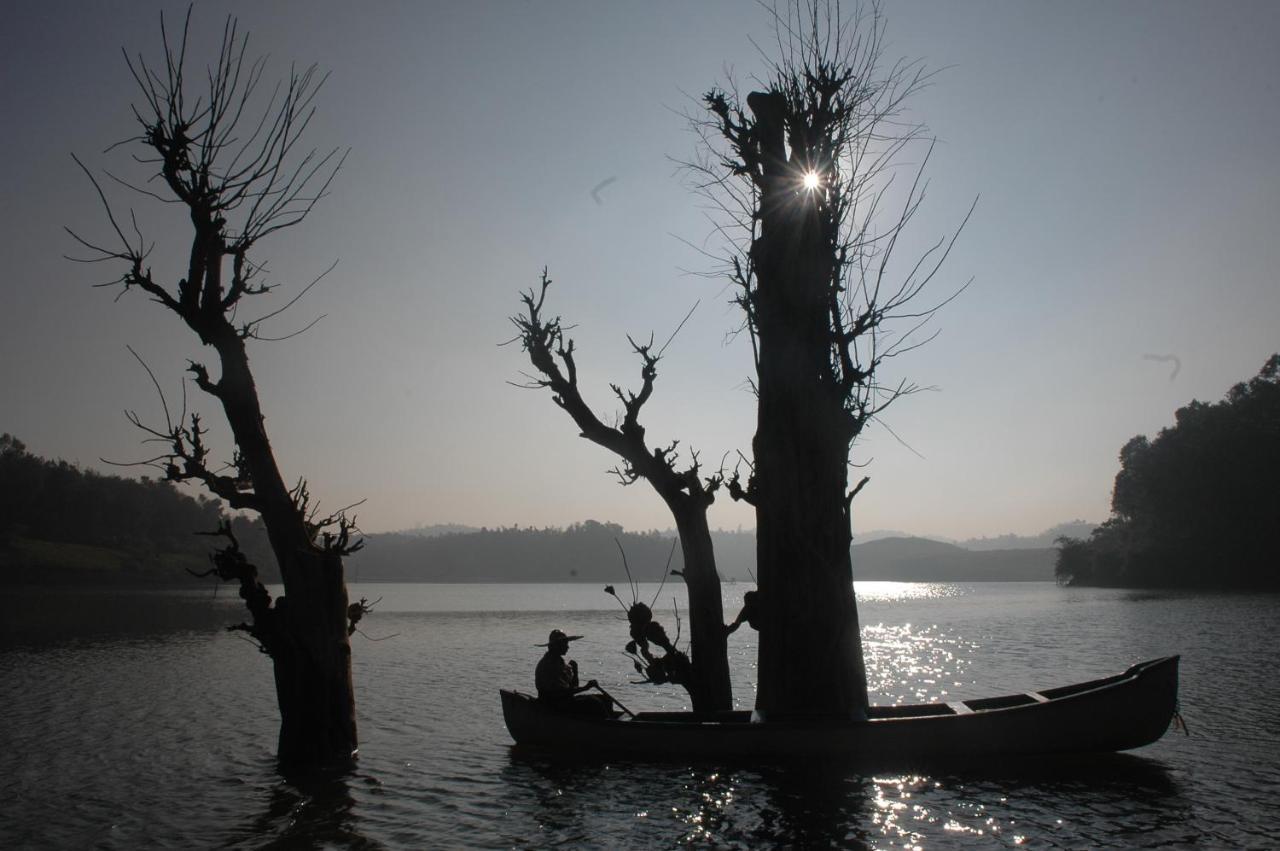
(595, 190)
(1177, 363)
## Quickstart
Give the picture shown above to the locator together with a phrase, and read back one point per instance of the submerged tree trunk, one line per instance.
(810, 652)
(307, 636)
(711, 689)
(313, 667)
(810, 647)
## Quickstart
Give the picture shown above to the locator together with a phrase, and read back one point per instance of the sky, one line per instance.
(1123, 157)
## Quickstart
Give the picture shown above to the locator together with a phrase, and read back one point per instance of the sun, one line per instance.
(812, 180)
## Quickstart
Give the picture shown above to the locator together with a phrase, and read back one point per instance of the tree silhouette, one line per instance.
(58, 502)
(799, 174)
(232, 162)
(684, 491)
(1197, 505)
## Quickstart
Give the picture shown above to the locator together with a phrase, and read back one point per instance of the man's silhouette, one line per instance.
(557, 680)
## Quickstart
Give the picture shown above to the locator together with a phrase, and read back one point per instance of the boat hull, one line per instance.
(1116, 713)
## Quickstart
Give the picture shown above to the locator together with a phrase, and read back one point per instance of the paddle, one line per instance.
(614, 700)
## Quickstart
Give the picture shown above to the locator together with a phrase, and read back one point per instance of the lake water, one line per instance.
(149, 726)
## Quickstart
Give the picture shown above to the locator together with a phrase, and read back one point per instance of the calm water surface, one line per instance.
(161, 735)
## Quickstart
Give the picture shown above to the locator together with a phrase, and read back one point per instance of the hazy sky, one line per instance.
(1125, 155)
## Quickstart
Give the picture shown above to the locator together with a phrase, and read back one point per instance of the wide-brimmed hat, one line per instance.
(557, 635)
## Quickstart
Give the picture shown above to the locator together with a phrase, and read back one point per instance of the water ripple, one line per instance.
(165, 740)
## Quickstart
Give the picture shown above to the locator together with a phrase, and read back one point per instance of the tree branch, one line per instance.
(553, 357)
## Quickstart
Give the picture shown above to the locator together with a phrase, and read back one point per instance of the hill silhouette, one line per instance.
(1047, 538)
(60, 524)
(925, 560)
(587, 552)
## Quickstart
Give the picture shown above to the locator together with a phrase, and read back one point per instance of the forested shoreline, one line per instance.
(1198, 505)
(62, 524)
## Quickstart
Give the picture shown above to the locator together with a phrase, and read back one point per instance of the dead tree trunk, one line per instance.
(800, 174)
(686, 494)
(238, 183)
(810, 650)
(712, 690)
(310, 645)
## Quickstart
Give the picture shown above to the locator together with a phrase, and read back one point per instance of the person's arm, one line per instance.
(573, 666)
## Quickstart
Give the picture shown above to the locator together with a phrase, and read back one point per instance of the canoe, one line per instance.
(1114, 713)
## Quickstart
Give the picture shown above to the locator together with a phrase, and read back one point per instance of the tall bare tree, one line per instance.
(800, 174)
(686, 493)
(232, 162)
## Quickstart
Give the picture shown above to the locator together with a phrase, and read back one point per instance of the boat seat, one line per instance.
(959, 707)
(1037, 697)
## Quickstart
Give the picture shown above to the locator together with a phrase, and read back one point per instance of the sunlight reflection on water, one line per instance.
(888, 592)
(913, 664)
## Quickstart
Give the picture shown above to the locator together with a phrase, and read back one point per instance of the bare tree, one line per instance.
(686, 493)
(240, 175)
(799, 179)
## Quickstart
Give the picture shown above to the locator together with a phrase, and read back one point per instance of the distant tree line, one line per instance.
(150, 524)
(59, 501)
(1048, 538)
(148, 530)
(1198, 506)
(144, 530)
(581, 552)
(587, 552)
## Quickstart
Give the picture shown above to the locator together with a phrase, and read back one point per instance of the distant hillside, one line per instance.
(583, 552)
(924, 560)
(879, 534)
(586, 552)
(63, 525)
(434, 529)
(1010, 541)
(1072, 529)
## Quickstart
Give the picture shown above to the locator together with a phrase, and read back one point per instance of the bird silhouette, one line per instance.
(1177, 363)
(595, 190)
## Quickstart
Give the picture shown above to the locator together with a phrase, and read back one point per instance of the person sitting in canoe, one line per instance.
(557, 680)
(750, 613)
